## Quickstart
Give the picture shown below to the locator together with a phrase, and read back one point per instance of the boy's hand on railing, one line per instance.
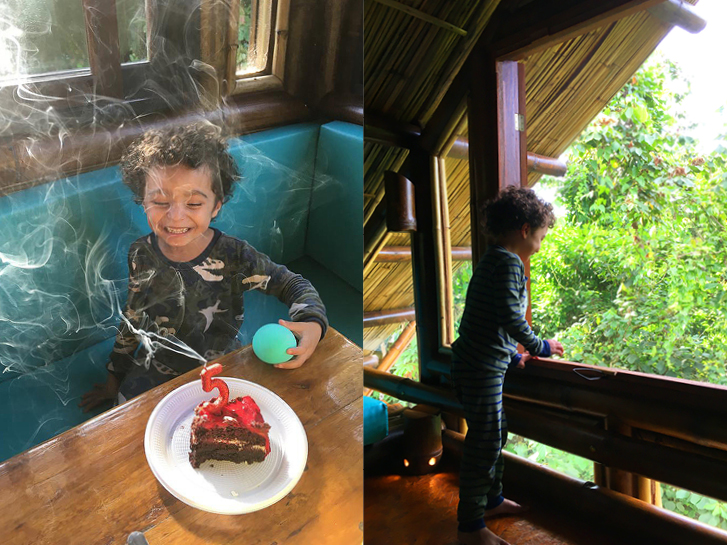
(525, 357)
(555, 347)
(101, 393)
(308, 333)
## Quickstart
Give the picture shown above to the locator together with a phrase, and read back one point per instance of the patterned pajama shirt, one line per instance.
(199, 303)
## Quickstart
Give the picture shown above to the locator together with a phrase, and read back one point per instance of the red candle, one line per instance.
(209, 384)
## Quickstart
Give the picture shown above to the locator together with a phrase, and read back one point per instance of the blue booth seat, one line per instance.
(63, 251)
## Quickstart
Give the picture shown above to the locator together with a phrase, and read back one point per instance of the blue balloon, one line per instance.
(271, 342)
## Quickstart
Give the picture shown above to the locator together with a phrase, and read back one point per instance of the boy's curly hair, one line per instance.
(514, 207)
(196, 145)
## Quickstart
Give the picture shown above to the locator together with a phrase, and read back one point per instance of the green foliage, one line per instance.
(689, 504)
(407, 365)
(565, 462)
(634, 275)
(243, 34)
(460, 281)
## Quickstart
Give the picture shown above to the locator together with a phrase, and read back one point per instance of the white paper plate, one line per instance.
(225, 487)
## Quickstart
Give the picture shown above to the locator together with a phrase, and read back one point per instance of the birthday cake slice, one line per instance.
(233, 430)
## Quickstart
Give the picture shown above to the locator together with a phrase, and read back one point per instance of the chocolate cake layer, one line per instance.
(238, 434)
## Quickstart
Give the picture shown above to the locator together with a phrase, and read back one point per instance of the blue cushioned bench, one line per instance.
(63, 276)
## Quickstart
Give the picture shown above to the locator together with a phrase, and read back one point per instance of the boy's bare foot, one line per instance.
(483, 536)
(507, 507)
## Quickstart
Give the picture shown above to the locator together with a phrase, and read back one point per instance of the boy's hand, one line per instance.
(525, 357)
(100, 394)
(555, 347)
(309, 334)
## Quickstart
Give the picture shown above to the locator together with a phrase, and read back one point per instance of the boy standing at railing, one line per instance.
(186, 279)
(492, 325)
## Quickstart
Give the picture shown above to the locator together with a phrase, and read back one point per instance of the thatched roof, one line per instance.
(408, 67)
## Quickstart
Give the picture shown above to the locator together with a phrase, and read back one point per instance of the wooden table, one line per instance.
(92, 484)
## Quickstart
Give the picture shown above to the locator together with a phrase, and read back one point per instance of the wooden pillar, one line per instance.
(102, 35)
(424, 264)
(497, 142)
(631, 484)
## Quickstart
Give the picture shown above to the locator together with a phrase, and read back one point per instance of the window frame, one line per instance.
(67, 91)
(272, 76)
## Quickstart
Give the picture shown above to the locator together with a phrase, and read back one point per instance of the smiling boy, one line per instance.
(492, 325)
(187, 279)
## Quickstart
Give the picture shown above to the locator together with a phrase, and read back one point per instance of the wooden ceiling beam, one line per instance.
(383, 131)
(679, 13)
(540, 26)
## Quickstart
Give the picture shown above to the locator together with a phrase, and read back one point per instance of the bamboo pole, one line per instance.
(233, 22)
(391, 357)
(448, 333)
(398, 347)
(423, 16)
(373, 318)
(282, 17)
(393, 254)
(439, 246)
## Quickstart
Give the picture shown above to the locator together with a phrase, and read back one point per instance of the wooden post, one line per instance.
(483, 142)
(424, 269)
(512, 149)
(102, 35)
(400, 203)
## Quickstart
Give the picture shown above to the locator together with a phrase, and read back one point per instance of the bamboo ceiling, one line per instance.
(406, 76)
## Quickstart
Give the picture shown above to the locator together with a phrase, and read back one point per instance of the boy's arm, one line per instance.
(508, 277)
(292, 289)
(121, 359)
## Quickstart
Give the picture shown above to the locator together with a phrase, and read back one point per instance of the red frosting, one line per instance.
(218, 412)
(240, 412)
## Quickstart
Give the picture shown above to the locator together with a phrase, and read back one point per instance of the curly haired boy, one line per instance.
(492, 325)
(187, 280)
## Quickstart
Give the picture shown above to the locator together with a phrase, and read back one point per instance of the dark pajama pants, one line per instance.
(480, 477)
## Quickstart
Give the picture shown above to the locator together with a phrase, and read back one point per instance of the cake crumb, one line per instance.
(234, 493)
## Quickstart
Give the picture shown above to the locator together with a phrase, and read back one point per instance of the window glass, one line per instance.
(253, 35)
(131, 15)
(38, 36)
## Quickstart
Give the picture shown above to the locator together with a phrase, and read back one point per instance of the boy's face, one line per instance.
(179, 205)
(531, 240)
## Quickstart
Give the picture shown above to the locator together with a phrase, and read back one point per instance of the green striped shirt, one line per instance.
(494, 314)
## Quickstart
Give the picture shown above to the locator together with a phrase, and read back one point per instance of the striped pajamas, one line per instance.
(492, 324)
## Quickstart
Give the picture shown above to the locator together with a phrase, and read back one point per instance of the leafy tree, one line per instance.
(634, 275)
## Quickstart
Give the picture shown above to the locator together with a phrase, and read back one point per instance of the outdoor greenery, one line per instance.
(633, 276)
(243, 34)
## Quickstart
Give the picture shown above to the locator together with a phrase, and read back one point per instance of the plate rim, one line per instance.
(241, 508)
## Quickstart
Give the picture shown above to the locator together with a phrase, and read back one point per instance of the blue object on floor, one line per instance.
(376, 420)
